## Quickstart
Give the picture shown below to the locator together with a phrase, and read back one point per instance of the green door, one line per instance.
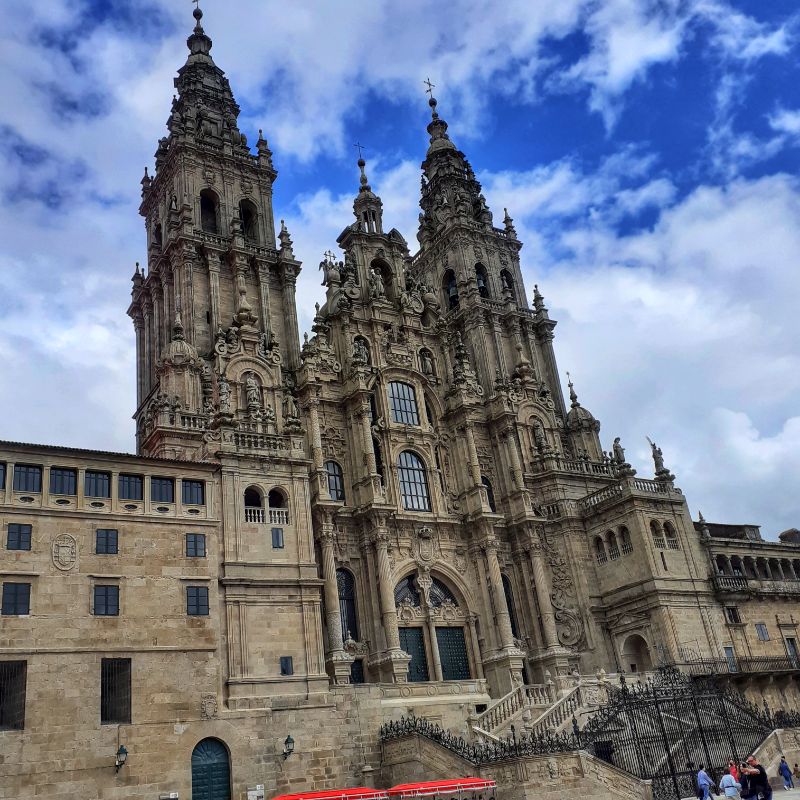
(413, 642)
(453, 654)
(211, 771)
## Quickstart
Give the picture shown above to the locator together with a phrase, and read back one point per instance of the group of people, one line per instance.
(748, 780)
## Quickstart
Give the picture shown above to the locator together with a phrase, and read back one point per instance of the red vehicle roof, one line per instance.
(442, 787)
(358, 793)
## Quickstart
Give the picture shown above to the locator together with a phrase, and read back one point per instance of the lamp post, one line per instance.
(288, 747)
(120, 758)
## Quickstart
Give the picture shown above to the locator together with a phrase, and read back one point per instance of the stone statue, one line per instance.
(658, 457)
(539, 437)
(360, 352)
(618, 451)
(253, 392)
(377, 290)
(224, 394)
(426, 362)
(232, 338)
(290, 410)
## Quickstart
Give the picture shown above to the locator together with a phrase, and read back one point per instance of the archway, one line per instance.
(211, 771)
(636, 654)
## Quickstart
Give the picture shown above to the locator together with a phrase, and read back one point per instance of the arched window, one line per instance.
(657, 534)
(671, 536)
(403, 403)
(737, 567)
(613, 549)
(722, 565)
(278, 503)
(407, 592)
(482, 280)
(347, 603)
(489, 493)
(379, 461)
(209, 206)
(600, 550)
(335, 481)
(512, 612)
(440, 594)
(248, 214)
(253, 504)
(507, 281)
(450, 290)
(157, 237)
(625, 544)
(413, 482)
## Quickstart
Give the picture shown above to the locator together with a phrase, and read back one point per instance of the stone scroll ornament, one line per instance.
(569, 624)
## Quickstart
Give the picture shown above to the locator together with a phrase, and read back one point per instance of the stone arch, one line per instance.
(450, 290)
(613, 547)
(723, 565)
(248, 216)
(658, 534)
(211, 770)
(600, 550)
(625, 543)
(482, 280)
(636, 655)
(384, 269)
(209, 211)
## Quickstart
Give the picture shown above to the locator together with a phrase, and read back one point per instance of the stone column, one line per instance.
(541, 583)
(263, 293)
(292, 336)
(475, 646)
(437, 661)
(149, 345)
(156, 340)
(316, 448)
(513, 458)
(498, 595)
(138, 326)
(337, 660)
(472, 450)
(213, 293)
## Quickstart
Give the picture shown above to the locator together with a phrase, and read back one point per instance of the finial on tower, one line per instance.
(432, 99)
(572, 395)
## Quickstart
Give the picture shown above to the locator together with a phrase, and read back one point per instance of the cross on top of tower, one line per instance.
(431, 86)
(360, 148)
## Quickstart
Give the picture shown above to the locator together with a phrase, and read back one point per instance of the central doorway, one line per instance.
(211, 771)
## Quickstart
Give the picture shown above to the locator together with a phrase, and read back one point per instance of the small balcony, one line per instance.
(254, 515)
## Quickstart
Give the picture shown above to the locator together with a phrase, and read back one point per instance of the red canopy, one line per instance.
(442, 787)
(359, 793)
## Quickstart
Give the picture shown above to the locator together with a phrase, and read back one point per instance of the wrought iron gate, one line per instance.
(664, 729)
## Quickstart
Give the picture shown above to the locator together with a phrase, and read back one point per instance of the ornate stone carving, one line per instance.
(569, 624)
(65, 552)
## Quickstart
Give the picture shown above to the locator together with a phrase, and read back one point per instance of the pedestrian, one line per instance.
(729, 785)
(734, 769)
(796, 771)
(786, 773)
(747, 791)
(759, 781)
(704, 783)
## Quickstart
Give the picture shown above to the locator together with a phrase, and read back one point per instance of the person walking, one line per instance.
(785, 771)
(729, 785)
(759, 781)
(704, 783)
(733, 767)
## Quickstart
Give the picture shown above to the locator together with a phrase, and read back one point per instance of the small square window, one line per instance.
(131, 487)
(106, 601)
(97, 484)
(115, 691)
(106, 541)
(196, 545)
(19, 536)
(63, 481)
(193, 493)
(287, 665)
(277, 538)
(162, 490)
(732, 615)
(16, 599)
(27, 478)
(12, 695)
(197, 601)
(762, 632)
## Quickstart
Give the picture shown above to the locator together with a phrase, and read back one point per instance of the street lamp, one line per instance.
(288, 747)
(120, 758)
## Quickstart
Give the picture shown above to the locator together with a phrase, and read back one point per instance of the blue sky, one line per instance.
(648, 152)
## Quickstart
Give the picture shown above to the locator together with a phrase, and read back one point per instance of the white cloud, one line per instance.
(786, 121)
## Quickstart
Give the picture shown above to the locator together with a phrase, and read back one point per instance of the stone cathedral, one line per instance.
(398, 513)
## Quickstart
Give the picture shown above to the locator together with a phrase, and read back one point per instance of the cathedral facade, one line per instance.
(401, 514)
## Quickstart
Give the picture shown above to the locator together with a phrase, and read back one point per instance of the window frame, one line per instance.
(161, 482)
(105, 600)
(193, 485)
(62, 479)
(102, 534)
(413, 477)
(335, 479)
(10, 606)
(195, 539)
(3, 474)
(28, 471)
(278, 539)
(127, 480)
(91, 478)
(22, 537)
(762, 632)
(403, 404)
(197, 600)
(12, 698)
(110, 673)
(286, 666)
(732, 615)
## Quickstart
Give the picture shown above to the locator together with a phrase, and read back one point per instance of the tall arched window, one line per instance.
(489, 493)
(507, 281)
(278, 502)
(625, 541)
(512, 612)
(657, 534)
(482, 280)
(671, 536)
(248, 214)
(413, 482)
(403, 403)
(253, 504)
(600, 550)
(406, 592)
(209, 207)
(335, 481)
(450, 289)
(613, 550)
(347, 603)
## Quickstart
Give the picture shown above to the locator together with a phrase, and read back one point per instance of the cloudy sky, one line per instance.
(648, 151)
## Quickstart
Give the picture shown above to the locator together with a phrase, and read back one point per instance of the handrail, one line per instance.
(511, 704)
(555, 716)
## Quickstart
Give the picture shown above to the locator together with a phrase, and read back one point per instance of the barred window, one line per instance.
(162, 490)
(106, 601)
(346, 584)
(63, 481)
(131, 487)
(277, 538)
(97, 484)
(27, 478)
(335, 481)
(16, 599)
(106, 541)
(194, 493)
(13, 676)
(658, 535)
(19, 536)
(403, 402)
(115, 691)
(413, 483)
(197, 601)
(407, 592)
(196, 545)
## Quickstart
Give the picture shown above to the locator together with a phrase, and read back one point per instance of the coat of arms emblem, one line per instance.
(65, 551)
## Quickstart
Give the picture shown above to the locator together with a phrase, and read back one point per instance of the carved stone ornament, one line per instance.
(424, 547)
(65, 552)
(569, 624)
(208, 706)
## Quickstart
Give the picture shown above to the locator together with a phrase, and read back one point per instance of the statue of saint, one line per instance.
(253, 392)
(658, 457)
(224, 394)
(360, 352)
(377, 290)
(619, 451)
(426, 362)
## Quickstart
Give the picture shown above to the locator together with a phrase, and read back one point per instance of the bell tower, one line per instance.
(216, 285)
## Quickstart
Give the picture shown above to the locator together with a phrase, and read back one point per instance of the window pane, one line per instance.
(131, 487)
(287, 665)
(19, 536)
(27, 478)
(12, 694)
(196, 545)
(97, 484)
(16, 599)
(197, 601)
(193, 493)
(347, 603)
(115, 691)
(106, 541)
(162, 490)
(335, 481)
(413, 483)
(63, 481)
(2, 477)
(277, 538)
(403, 403)
(106, 601)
